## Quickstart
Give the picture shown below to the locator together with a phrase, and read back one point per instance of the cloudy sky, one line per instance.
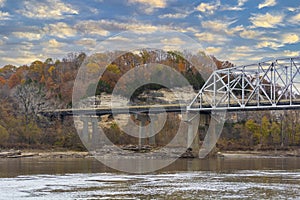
(241, 31)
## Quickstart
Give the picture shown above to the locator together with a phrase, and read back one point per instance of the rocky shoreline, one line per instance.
(14, 154)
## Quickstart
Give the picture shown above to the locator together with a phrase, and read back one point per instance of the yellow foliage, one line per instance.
(3, 134)
(92, 67)
(113, 68)
(51, 69)
(23, 81)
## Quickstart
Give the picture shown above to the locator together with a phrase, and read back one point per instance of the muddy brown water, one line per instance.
(215, 178)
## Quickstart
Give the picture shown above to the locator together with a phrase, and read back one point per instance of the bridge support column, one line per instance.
(142, 118)
(192, 120)
(85, 129)
(152, 130)
(95, 132)
(212, 135)
(90, 138)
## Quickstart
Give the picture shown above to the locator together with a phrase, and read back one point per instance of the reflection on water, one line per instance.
(267, 178)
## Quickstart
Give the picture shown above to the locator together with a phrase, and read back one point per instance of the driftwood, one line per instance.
(137, 148)
(10, 153)
(23, 155)
(16, 154)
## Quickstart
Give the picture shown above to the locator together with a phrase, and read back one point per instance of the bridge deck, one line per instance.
(117, 110)
(175, 108)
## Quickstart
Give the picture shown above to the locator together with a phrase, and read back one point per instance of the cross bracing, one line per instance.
(272, 84)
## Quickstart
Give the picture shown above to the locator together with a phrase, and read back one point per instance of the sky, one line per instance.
(240, 31)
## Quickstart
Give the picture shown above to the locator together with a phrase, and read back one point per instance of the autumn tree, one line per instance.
(275, 133)
(3, 135)
(265, 130)
(254, 129)
(31, 98)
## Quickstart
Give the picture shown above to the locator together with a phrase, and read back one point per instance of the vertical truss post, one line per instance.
(228, 87)
(215, 87)
(243, 87)
(287, 84)
(291, 80)
(274, 85)
(257, 87)
(201, 99)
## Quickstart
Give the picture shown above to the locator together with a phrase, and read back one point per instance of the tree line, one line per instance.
(25, 90)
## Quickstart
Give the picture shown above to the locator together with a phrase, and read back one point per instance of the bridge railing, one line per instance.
(272, 84)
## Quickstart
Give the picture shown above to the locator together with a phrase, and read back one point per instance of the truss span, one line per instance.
(266, 85)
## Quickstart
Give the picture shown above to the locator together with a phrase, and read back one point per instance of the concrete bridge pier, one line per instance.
(192, 120)
(95, 136)
(90, 138)
(85, 130)
(143, 119)
(152, 125)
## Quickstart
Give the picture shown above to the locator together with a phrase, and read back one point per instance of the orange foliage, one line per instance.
(181, 66)
(2, 81)
(67, 76)
(14, 80)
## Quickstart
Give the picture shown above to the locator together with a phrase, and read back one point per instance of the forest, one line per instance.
(44, 85)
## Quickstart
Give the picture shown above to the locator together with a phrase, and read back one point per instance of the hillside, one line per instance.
(26, 90)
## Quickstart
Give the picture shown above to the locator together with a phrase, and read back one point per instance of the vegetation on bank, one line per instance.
(26, 90)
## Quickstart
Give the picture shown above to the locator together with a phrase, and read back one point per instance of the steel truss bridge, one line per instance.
(267, 85)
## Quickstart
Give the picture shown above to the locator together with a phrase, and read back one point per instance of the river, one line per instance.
(215, 178)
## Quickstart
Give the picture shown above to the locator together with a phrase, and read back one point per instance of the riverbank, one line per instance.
(62, 153)
(253, 154)
(43, 154)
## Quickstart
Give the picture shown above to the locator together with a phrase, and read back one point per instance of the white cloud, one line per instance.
(149, 6)
(290, 38)
(2, 3)
(295, 19)
(87, 42)
(49, 9)
(53, 47)
(139, 27)
(215, 25)
(250, 34)
(291, 53)
(238, 56)
(211, 38)
(291, 9)
(173, 41)
(241, 2)
(269, 44)
(103, 27)
(153, 3)
(239, 6)
(273, 38)
(22, 57)
(221, 26)
(213, 50)
(60, 29)
(94, 27)
(4, 15)
(267, 3)
(174, 16)
(243, 49)
(53, 43)
(208, 8)
(28, 35)
(266, 20)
